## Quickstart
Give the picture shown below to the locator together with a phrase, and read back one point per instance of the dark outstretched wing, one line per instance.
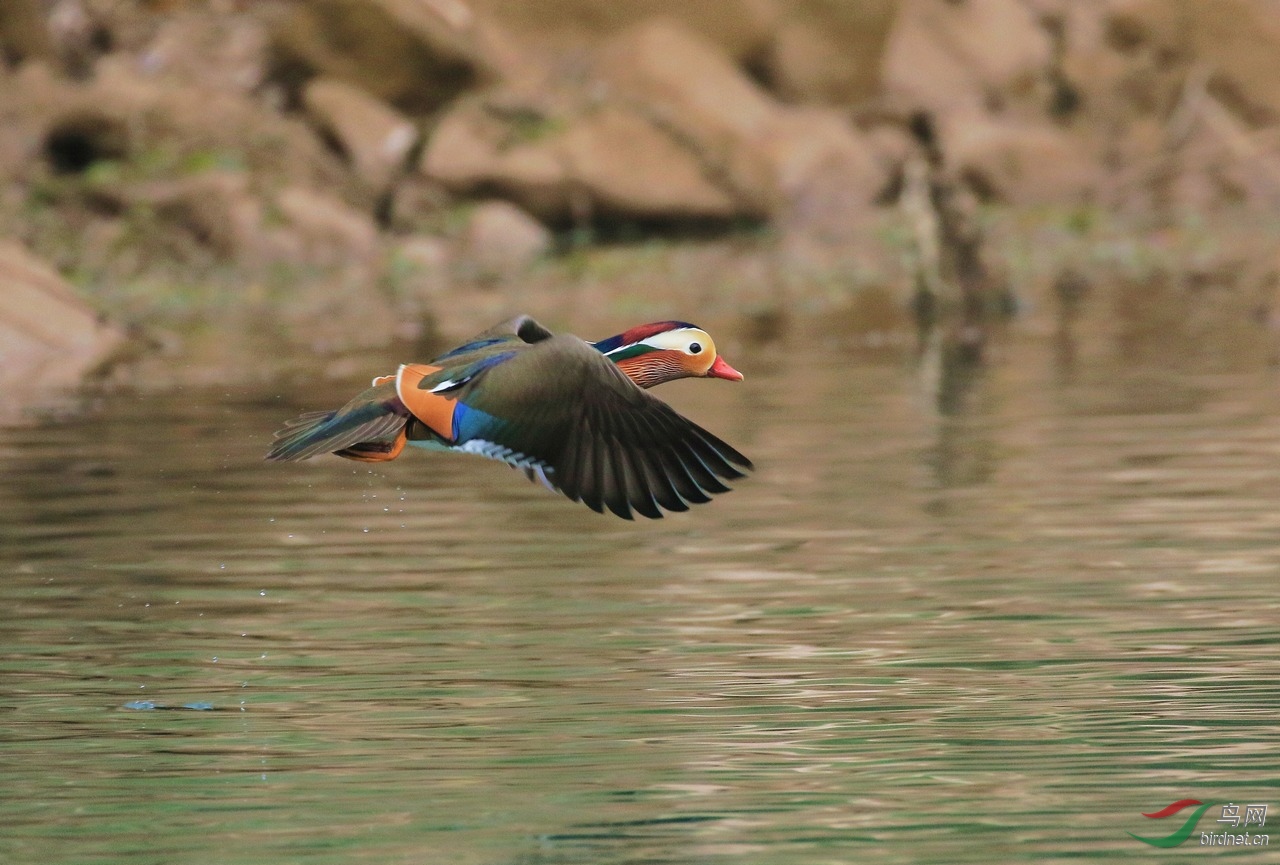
(562, 410)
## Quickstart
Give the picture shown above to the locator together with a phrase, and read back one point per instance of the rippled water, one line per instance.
(971, 616)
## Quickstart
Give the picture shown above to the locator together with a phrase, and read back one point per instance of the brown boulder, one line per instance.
(1021, 163)
(208, 48)
(947, 56)
(23, 35)
(828, 52)
(216, 207)
(327, 231)
(626, 166)
(737, 27)
(687, 86)
(334, 255)
(762, 153)
(49, 337)
(65, 127)
(501, 240)
(479, 148)
(668, 131)
(580, 162)
(412, 54)
(1239, 40)
(372, 136)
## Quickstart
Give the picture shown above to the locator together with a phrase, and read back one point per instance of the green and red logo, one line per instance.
(1188, 827)
(1254, 815)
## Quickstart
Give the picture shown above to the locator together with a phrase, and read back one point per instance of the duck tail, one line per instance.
(298, 438)
(373, 433)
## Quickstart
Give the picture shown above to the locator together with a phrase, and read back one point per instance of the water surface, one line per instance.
(991, 624)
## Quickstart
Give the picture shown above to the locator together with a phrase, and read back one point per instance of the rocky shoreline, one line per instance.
(230, 186)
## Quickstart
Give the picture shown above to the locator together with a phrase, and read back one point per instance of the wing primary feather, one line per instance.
(660, 485)
(566, 462)
(706, 479)
(589, 489)
(624, 446)
(646, 456)
(708, 475)
(724, 450)
(613, 480)
(673, 468)
(639, 492)
(710, 457)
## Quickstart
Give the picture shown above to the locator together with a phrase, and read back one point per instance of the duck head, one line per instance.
(664, 351)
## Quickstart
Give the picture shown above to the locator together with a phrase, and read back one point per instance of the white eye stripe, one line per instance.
(679, 340)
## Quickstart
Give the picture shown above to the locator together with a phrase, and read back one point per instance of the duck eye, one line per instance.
(694, 348)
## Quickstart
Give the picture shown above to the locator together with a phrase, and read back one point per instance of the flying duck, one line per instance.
(569, 413)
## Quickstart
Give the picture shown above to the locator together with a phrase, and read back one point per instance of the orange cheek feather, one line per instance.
(432, 409)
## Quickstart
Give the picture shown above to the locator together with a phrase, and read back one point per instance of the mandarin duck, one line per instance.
(569, 413)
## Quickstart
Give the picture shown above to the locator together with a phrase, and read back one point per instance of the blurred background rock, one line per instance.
(205, 191)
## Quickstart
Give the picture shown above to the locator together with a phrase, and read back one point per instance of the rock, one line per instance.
(763, 154)
(424, 253)
(207, 48)
(601, 161)
(332, 256)
(501, 240)
(809, 149)
(216, 207)
(414, 54)
(420, 272)
(476, 149)
(949, 56)
(49, 338)
(23, 34)
(687, 86)
(328, 230)
(1020, 163)
(121, 114)
(628, 168)
(373, 137)
(827, 52)
(1239, 40)
(670, 132)
(738, 28)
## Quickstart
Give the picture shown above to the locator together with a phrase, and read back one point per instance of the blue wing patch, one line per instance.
(471, 423)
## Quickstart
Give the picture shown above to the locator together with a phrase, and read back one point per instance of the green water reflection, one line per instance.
(994, 631)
